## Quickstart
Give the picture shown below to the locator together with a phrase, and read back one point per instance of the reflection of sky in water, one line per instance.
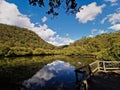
(53, 76)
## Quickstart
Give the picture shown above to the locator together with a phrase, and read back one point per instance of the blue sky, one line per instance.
(96, 17)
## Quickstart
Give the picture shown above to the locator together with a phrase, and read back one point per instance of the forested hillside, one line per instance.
(105, 46)
(20, 41)
(16, 41)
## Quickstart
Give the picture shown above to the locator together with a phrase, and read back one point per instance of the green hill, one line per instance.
(105, 46)
(16, 41)
(20, 41)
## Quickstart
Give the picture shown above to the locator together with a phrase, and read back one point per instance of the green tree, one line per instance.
(70, 5)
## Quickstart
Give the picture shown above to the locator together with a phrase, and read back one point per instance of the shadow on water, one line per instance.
(57, 71)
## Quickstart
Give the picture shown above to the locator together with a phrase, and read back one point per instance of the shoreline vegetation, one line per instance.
(17, 42)
(22, 51)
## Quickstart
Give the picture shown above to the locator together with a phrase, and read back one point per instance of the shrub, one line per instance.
(3, 49)
(19, 51)
(39, 51)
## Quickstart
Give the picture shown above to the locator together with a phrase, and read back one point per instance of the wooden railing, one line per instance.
(98, 65)
(94, 66)
(109, 65)
(88, 70)
(105, 65)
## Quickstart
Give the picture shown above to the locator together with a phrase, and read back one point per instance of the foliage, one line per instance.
(18, 51)
(16, 41)
(105, 46)
(70, 5)
(41, 51)
(3, 49)
(13, 36)
(114, 51)
(19, 41)
(78, 50)
(105, 55)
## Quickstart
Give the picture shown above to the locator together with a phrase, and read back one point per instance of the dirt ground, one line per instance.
(105, 81)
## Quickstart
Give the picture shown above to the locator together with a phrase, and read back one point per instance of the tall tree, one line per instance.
(70, 5)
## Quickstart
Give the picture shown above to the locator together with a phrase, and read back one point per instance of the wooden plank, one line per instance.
(105, 66)
(96, 63)
(94, 70)
(93, 62)
(113, 68)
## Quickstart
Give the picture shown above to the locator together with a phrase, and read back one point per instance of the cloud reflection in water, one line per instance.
(54, 75)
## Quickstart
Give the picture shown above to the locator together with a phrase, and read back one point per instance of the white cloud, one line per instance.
(91, 36)
(9, 14)
(89, 12)
(103, 20)
(67, 34)
(115, 27)
(101, 31)
(112, 18)
(113, 2)
(44, 32)
(118, 10)
(44, 19)
(57, 40)
(95, 32)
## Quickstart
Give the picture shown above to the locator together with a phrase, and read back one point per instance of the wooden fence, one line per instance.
(109, 65)
(94, 66)
(105, 65)
(90, 69)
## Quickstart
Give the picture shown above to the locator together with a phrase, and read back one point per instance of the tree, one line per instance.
(70, 5)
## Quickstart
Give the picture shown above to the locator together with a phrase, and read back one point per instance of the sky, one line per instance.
(96, 17)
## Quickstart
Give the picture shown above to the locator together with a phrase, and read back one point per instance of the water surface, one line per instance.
(40, 73)
(57, 75)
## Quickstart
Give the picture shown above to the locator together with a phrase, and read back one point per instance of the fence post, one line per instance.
(98, 65)
(104, 68)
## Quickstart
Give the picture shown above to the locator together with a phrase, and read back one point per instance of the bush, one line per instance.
(20, 51)
(39, 51)
(3, 49)
(115, 51)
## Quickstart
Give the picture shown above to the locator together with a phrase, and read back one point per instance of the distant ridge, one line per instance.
(14, 39)
(15, 36)
(105, 46)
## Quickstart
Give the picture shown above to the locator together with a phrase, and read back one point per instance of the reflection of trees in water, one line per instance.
(13, 71)
(16, 70)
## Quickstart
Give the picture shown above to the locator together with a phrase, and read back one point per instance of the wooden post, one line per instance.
(98, 65)
(104, 66)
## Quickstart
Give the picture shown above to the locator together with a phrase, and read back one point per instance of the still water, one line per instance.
(57, 75)
(40, 73)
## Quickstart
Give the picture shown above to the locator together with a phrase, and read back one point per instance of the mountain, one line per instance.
(14, 39)
(105, 46)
